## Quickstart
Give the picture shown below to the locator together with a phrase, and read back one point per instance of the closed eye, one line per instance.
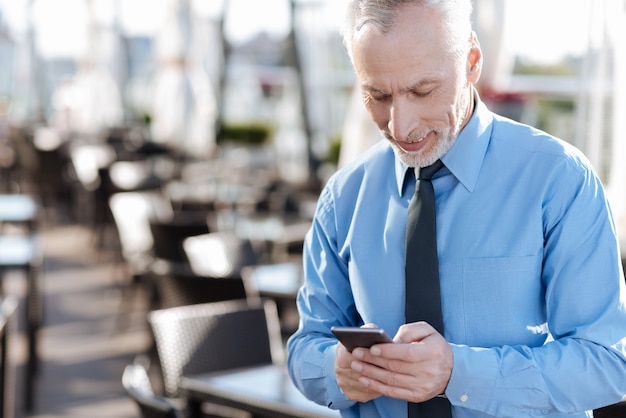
(376, 98)
(421, 94)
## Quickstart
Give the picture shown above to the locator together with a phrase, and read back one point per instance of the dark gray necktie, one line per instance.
(423, 299)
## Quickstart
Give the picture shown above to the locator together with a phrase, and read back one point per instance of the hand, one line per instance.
(415, 369)
(348, 379)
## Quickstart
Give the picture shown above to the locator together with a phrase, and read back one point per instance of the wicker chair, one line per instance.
(137, 385)
(181, 287)
(210, 272)
(214, 337)
(168, 234)
(131, 214)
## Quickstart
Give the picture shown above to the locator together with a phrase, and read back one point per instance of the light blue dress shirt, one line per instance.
(533, 296)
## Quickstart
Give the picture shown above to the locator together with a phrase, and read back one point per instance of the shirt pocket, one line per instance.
(504, 300)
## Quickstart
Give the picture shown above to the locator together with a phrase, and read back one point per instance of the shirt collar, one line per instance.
(466, 156)
(402, 171)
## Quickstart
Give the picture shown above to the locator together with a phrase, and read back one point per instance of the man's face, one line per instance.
(415, 90)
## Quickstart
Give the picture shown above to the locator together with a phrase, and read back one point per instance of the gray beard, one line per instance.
(445, 139)
(444, 142)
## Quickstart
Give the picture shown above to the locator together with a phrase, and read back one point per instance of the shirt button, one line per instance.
(464, 398)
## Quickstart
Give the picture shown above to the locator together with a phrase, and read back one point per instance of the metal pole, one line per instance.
(313, 161)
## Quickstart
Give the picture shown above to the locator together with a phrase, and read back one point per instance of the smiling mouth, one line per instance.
(413, 141)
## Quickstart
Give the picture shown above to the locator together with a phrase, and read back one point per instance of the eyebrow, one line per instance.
(371, 89)
(427, 82)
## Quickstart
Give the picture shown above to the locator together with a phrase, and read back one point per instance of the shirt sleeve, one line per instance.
(586, 318)
(324, 300)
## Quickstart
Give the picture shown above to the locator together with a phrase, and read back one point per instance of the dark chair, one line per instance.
(178, 287)
(168, 234)
(103, 219)
(219, 254)
(214, 337)
(20, 250)
(44, 162)
(23, 252)
(137, 385)
(131, 214)
(174, 280)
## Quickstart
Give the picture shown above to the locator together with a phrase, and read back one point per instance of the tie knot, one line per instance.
(426, 173)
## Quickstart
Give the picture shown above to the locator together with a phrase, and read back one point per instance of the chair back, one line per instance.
(213, 337)
(219, 254)
(137, 385)
(180, 288)
(131, 213)
(168, 235)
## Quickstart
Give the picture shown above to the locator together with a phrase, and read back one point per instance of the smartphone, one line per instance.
(352, 337)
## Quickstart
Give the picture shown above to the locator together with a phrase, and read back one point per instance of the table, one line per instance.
(24, 253)
(276, 231)
(279, 282)
(87, 159)
(264, 391)
(19, 209)
(275, 281)
(7, 368)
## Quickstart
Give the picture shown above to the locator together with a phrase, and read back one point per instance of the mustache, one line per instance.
(414, 136)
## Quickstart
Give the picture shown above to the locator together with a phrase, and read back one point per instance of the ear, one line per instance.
(474, 60)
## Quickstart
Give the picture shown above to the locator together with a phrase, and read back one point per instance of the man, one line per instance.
(532, 291)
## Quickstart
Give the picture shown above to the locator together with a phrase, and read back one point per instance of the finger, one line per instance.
(393, 356)
(343, 357)
(414, 332)
(348, 381)
(399, 375)
(359, 393)
(392, 391)
(392, 384)
(415, 386)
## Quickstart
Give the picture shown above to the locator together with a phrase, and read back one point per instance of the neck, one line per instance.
(472, 104)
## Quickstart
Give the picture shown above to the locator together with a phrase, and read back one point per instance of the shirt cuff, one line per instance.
(336, 398)
(473, 378)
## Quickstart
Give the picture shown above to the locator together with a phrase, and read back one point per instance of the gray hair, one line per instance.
(381, 15)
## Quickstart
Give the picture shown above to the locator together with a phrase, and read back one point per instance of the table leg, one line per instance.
(193, 409)
(34, 319)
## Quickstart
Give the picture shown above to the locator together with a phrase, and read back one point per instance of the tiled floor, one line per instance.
(83, 345)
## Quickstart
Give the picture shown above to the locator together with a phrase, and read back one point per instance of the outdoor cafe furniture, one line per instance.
(178, 287)
(20, 250)
(8, 306)
(24, 253)
(279, 282)
(263, 391)
(138, 387)
(213, 337)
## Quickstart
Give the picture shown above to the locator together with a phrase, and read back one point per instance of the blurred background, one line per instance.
(191, 71)
(231, 113)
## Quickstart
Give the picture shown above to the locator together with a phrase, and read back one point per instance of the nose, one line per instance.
(402, 119)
